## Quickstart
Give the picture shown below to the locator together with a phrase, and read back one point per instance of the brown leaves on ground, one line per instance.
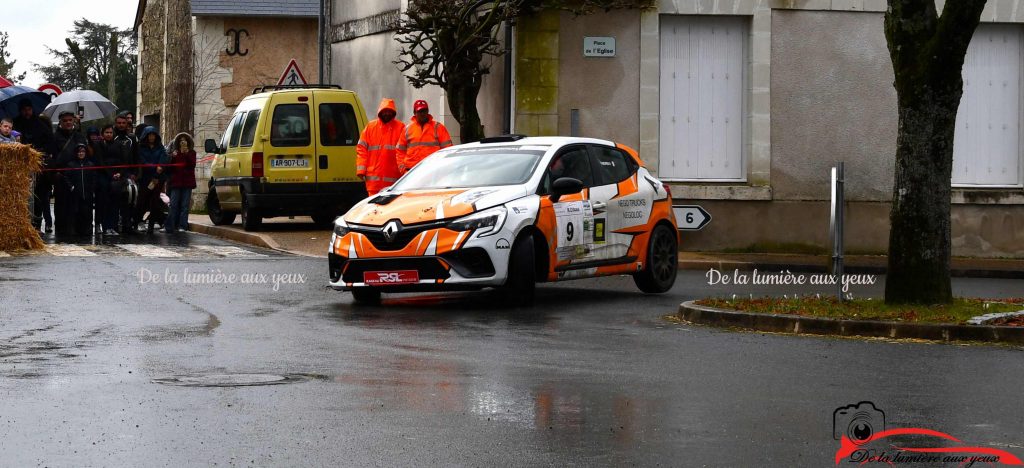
(960, 311)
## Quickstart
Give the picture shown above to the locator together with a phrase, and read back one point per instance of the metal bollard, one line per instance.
(836, 226)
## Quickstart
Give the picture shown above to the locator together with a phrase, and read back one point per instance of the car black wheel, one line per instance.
(217, 216)
(366, 295)
(662, 262)
(521, 283)
(251, 219)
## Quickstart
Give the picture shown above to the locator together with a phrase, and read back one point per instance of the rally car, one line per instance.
(507, 212)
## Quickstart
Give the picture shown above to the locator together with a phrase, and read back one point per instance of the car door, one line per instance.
(568, 224)
(289, 156)
(623, 200)
(228, 192)
(339, 121)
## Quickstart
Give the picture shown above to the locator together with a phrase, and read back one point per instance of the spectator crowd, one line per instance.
(116, 180)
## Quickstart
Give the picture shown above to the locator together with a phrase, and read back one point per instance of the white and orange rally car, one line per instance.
(507, 212)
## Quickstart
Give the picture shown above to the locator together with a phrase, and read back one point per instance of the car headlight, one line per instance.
(487, 222)
(340, 227)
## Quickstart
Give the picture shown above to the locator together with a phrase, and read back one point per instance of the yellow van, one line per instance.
(287, 151)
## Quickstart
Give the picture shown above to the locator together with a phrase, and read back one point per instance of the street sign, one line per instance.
(598, 46)
(691, 217)
(51, 89)
(292, 75)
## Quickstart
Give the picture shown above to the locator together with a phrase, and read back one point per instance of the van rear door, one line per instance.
(288, 157)
(339, 119)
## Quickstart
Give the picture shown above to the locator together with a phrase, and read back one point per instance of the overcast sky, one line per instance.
(35, 24)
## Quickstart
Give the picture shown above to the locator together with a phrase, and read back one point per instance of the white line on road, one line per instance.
(229, 251)
(148, 250)
(65, 250)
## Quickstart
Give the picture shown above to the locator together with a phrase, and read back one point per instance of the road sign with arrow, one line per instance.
(691, 217)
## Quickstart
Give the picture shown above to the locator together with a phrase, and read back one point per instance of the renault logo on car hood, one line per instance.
(390, 230)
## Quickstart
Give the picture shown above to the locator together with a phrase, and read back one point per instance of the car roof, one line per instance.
(544, 141)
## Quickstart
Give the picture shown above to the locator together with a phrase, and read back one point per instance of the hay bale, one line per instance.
(17, 164)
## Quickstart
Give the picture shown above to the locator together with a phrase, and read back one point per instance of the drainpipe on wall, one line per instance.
(508, 78)
(321, 37)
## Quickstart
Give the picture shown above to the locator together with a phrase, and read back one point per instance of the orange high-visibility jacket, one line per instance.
(376, 152)
(419, 141)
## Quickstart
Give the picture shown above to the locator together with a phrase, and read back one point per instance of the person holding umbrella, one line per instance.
(63, 151)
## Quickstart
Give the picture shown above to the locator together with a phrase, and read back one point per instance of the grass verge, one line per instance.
(959, 312)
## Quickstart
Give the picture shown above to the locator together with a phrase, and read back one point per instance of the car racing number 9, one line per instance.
(575, 223)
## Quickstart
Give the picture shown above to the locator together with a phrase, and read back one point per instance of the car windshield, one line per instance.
(473, 167)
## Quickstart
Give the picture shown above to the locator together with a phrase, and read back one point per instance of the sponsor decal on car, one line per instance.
(373, 278)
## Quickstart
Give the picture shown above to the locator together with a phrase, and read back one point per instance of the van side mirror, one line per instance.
(565, 186)
(211, 146)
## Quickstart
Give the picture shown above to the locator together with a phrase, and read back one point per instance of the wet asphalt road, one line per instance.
(593, 375)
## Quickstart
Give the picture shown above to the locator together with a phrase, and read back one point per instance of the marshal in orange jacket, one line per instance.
(419, 141)
(376, 152)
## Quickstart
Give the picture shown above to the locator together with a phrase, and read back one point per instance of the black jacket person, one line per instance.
(63, 148)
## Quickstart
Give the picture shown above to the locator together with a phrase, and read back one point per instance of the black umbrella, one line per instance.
(11, 97)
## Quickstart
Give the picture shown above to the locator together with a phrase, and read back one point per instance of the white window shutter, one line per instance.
(703, 61)
(987, 146)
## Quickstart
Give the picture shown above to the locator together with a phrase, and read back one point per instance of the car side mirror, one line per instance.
(211, 146)
(565, 186)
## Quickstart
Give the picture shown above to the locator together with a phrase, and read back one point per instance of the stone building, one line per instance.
(743, 106)
(235, 46)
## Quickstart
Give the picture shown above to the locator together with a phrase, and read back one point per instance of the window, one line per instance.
(231, 137)
(987, 145)
(472, 167)
(703, 67)
(574, 163)
(612, 165)
(338, 125)
(290, 126)
(249, 128)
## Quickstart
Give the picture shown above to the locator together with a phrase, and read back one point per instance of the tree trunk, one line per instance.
(462, 96)
(112, 68)
(180, 68)
(919, 240)
(927, 55)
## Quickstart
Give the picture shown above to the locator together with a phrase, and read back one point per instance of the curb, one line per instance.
(250, 238)
(779, 323)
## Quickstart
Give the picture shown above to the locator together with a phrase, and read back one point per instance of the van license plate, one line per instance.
(289, 163)
(391, 277)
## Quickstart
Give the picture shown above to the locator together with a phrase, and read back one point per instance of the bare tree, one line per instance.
(927, 53)
(444, 43)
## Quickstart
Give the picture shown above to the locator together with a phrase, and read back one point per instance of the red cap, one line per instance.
(420, 104)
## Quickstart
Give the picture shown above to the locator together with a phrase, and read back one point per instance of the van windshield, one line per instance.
(472, 167)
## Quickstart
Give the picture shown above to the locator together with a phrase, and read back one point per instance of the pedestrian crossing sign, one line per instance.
(292, 75)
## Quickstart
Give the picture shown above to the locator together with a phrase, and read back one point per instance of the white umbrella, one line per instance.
(89, 104)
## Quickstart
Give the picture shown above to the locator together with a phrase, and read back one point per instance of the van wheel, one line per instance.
(251, 219)
(366, 295)
(323, 220)
(217, 216)
(662, 262)
(521, 284)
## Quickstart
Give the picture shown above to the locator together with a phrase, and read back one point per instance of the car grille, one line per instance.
(402, 238)
(429, 268)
